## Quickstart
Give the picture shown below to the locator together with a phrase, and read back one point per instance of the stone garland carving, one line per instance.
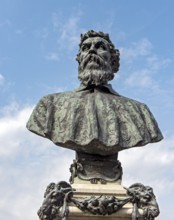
(58, 197)
(101, 205)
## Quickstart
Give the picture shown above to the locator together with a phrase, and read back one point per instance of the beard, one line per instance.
(93, 70)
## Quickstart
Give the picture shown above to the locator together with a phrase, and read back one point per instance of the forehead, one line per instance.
(95, 40)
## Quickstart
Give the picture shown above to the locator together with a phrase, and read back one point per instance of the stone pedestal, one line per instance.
(85, 189)
(85, 200)
(95, 192)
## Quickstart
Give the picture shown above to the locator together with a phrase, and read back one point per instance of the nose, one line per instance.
(92, 49)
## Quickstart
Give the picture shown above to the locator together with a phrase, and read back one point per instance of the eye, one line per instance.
(85, 47)
(101, 46)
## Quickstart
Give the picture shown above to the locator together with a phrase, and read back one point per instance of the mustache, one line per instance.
(92, 57)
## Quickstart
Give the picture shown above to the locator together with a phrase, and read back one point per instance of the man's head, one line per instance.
(98, 59)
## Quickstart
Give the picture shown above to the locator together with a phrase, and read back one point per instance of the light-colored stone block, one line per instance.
(85, 189)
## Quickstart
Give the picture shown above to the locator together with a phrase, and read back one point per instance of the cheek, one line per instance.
(81, 57)
(106, 56)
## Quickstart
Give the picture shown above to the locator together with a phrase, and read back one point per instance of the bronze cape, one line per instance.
(95, 120)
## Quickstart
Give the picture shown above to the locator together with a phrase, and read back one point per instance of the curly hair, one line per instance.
(115, 54)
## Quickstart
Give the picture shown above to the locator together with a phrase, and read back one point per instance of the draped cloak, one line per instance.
(94, 120)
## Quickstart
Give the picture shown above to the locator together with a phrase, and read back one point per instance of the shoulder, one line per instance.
(132, 101)
(55, 97)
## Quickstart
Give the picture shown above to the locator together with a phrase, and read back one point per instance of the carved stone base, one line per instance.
(75, 214)
(84, 200)
(84, 189)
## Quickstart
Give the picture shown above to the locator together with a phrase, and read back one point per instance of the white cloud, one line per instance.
(52, 56)
(68, 30)
(2, 79)
(11, 124)
(155, 63)
(141, 78)
(19, 31)
(142, 64)
(136, 50)
(28, 164)
(157, 157)
(152, 165)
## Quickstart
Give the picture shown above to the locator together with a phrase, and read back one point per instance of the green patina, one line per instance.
(94, 119)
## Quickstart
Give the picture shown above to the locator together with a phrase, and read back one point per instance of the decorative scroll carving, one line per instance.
(96, 168)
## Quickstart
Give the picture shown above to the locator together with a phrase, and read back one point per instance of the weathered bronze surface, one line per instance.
(96, 168)
(143, 198)
(95, 119)
(56, 200)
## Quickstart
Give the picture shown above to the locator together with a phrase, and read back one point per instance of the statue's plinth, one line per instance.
(96, 193)
(85, 189)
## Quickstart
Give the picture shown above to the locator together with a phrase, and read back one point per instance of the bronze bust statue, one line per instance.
(94, 118)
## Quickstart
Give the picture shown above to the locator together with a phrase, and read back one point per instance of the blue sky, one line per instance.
(38, 45)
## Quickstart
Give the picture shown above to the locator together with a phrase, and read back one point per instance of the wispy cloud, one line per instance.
(5, 23)
(52, 56)
(155, 63)
(136, 50)
(68, 29)
(140, 78)
(66, 35)
(2, 79)
(19, 31)
(142, 64)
